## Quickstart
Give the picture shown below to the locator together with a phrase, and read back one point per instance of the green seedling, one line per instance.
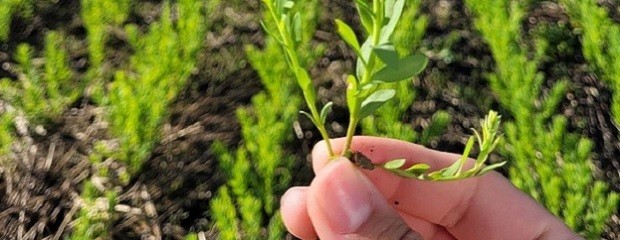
(378, 63)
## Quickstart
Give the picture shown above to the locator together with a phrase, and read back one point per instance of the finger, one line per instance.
(428, 230)
(294, 210)
(344, 204)
(490, 201)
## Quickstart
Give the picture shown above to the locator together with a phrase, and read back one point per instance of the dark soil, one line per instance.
(170, 197)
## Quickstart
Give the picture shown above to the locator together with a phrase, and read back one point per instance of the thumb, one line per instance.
(344, 204)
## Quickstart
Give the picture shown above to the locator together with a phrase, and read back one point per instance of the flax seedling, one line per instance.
(378, 63)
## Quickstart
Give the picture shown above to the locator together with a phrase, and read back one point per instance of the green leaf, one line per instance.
(394, 164)
(387, 53)
(458, 165)
(375, 100)
(366, 15)
(325, 110)
(351, 93)
(369, 86)
(297, 28)
(348, 35)
(491, 167)
(418, 169)
(363, 58)
(288, 4)
(393, 13)
(304, 81)
(405, 69)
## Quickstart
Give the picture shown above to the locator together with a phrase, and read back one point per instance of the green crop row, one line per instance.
(136, 99)
(546, 161)
(258, 171)
(387, 120)
(161, 65)
(600, 38)
(43, 88)
(162, 61)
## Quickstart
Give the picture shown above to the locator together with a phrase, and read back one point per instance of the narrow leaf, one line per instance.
(366, 15)
(376, 100)
(297, 28)
(405, 69)
(394, 164)
(418, 169)
(325, 110)
(288, 4)
(304, 81)
(348, 35)
(491, 167)
(394, 14)
(362, 58)
(351, 93)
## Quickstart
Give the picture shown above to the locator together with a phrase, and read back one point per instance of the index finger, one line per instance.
(486, 207)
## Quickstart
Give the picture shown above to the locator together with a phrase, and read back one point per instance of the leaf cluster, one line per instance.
(487, 141)
(97, 24)
(163, 61)
(387, 120)
(43, 89)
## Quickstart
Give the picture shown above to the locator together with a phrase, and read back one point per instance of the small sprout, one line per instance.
(326, 109)
(456, 171)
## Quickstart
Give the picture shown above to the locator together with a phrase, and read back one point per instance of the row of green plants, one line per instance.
(137, 99)
(259, 170)
(136, 94)
(546, 161)
(44, 88)
(600, 38)
(388, 120)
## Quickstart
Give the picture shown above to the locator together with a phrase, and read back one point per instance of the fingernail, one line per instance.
(347, 200)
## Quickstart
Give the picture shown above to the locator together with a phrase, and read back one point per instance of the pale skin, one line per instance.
(346, 202)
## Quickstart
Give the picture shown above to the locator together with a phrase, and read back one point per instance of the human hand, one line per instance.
(345, 202)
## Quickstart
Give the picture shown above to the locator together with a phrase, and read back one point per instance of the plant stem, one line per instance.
(378, 9)
(289, 49)
(325, 136)
(346, 152)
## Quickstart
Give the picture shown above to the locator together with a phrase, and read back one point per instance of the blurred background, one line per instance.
(179, 119)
